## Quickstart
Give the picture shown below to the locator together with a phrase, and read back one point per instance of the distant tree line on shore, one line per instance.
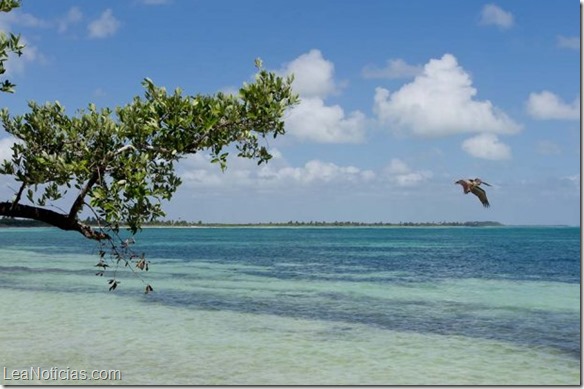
(360, 224)
(14, 222)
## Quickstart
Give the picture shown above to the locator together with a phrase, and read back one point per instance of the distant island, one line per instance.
(12, 222)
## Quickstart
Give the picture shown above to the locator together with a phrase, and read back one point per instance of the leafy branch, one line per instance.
(120, 163)
(9, 43)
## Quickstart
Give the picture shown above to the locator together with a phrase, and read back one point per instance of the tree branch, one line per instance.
(19, 194)
(53, 218)
(194, 146)
(79, 201)
(124, 148)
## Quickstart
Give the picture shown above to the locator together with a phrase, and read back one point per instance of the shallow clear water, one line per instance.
(260, 306)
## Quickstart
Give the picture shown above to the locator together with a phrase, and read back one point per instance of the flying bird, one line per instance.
(473, 186)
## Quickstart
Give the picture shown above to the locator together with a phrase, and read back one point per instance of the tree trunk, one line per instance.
(50, 217)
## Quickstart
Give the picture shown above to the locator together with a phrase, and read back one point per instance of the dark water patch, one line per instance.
(526, 327)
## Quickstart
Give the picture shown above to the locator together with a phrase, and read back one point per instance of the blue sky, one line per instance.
(399, 100)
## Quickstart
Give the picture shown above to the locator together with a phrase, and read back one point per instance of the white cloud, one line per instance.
(18, 18)
(547, 147)
(400, 174)
(99, 93)
(440, 102)
(6, 148)
(30, 54)
(106, 25)
(313, 120)
(574, 179)
(546, 105)
(198, 172)
(395, 68)
(494, 15)
(316, 171)
(486, 146)
(8, 21)
(572, 42)
(313, 75)
(410, 179)
(397, 166)
(73, 16)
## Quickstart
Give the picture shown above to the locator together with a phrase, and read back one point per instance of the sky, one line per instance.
(399, 99)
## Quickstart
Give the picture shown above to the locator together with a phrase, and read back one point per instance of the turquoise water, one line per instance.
(312, 306)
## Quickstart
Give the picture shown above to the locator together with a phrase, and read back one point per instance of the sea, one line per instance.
(295, 306)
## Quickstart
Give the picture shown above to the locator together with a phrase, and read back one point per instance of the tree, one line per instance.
(9, 43)
(120, 163)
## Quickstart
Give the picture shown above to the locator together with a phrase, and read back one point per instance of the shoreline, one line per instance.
(259, 226)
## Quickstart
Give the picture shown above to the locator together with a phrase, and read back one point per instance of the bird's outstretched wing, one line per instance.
(478, 181)
(481, 194)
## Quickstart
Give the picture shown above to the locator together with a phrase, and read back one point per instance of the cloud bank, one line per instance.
(440, 102)
(198, 172)
(314, 120)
